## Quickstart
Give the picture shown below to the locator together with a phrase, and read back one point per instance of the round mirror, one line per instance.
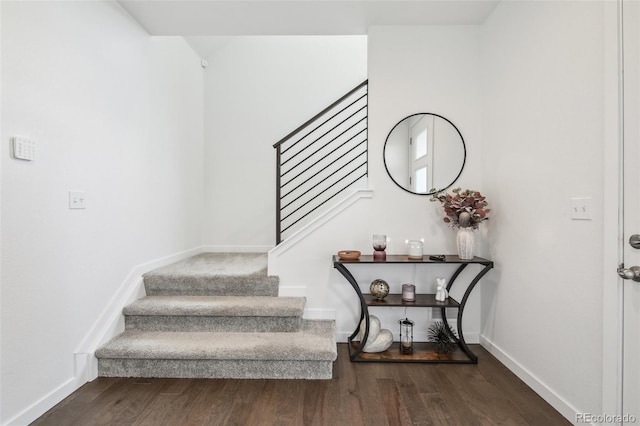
(424, 153)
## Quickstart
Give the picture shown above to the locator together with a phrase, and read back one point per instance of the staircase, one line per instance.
(218, 316)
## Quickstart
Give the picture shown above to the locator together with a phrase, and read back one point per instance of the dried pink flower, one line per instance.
(460, 201)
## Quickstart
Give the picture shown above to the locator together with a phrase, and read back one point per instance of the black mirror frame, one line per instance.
(436, 190)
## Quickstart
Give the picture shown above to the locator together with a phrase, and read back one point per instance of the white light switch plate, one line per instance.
(581, 208)
(77, 200)
(24, 149)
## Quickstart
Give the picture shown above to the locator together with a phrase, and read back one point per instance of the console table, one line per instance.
(423, 352)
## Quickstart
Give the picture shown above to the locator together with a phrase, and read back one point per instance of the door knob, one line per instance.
(632, 273)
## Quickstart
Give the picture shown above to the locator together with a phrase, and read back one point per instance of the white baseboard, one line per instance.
(292, 291)
(541, 388)
(319, 314)
(44, 404)
(236, 249)
(108, 324)
(420, 336)
(85, 367)
(471, 338)
(130, 290)
(342, 337)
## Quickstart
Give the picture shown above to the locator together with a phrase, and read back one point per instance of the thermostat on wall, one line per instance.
(24, 149)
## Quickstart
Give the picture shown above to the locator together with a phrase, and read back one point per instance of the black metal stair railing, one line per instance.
(320, 159)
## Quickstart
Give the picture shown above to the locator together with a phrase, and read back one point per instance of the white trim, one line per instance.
(319, 314)
(236, 249)
(128, 292)
(612, 286)
(541, 388)
(314, 225)
(83, 364)
(108, 324)
(292, 291)
(420, 336)
(44, 404)
(342, 336)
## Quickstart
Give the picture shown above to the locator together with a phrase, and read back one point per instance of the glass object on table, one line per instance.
(379, 247)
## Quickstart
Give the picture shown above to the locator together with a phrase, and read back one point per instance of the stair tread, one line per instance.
(214, 274)
(217, 306)
(215, 265)
(316, 341)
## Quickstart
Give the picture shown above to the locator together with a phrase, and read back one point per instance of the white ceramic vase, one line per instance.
(466, 243)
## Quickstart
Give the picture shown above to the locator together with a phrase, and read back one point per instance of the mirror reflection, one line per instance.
(424, 153)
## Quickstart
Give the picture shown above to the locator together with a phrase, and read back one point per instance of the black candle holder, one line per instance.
(379, 247)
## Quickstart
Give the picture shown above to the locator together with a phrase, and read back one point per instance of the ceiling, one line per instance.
(200, 19)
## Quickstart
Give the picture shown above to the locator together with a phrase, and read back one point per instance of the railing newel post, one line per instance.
(278, 199)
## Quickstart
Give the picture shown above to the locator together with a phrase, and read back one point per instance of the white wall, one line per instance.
(117, 115)
(526, 91)
(1, 148)
(112, 110)
(423, 69)
(414, 70)
(411, 70)
(257, 90)
(543, 132)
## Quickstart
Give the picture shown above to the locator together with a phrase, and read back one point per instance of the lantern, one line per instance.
(406, 336)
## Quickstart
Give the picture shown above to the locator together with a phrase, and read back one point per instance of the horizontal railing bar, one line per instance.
(332, 174)
(320, 171)
(326, 133)
(323, 157)
(326, 121)
(328, 198)
(321, 113)
(325, 201)
(324, 146)
(323, 191)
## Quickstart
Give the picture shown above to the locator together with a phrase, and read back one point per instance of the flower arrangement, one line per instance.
(463, 208)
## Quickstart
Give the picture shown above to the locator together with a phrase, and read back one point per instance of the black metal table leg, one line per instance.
(364, 313)
(463, 302)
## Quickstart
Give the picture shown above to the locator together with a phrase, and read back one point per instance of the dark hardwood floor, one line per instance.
(359, 394)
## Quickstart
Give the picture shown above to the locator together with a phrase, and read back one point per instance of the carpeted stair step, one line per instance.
(306, 354)
(215, 313)
(221, 274)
